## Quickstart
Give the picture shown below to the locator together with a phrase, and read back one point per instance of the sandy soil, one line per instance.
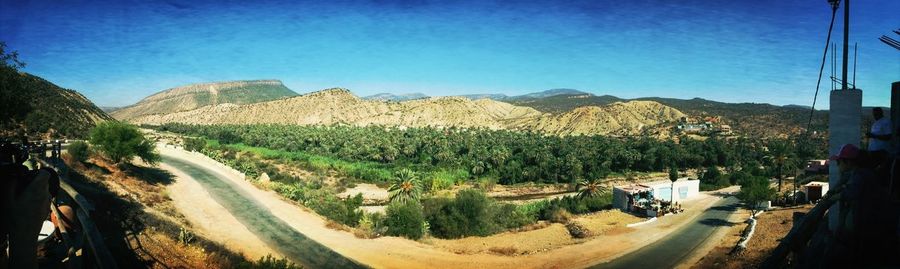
(371, 193)
(551, 237)
(394, 252)
(771, 228)
(208, 218)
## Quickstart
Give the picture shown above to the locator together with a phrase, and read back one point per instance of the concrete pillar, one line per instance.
(895, 114)
(844, 120)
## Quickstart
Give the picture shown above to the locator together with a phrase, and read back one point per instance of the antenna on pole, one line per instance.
(855, 44)
(846, 40)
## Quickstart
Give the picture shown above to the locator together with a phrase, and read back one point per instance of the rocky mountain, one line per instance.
(746, 118)
(339, 106)
(194, 96)
(396, 97)
(619, 118)
(41, 109)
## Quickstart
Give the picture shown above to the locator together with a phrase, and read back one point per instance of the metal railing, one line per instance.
(75, 242)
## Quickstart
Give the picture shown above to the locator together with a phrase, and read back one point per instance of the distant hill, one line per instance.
(190, 97)
(396, 97)
(525, 97)
(37, 107)
(497, 97)
(745, 118)
(339, 106)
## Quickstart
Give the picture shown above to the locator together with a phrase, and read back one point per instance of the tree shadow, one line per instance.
(717, 223)
(152, 175)
(725, 208)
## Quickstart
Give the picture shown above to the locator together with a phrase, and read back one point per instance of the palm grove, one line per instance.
(418, 161)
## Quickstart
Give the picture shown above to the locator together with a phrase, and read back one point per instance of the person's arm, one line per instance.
(880, 132)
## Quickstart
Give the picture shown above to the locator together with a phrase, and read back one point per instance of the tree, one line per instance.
(78, 150)
(120, 142)
(406, 186)
(755, 190)
(405, 219)
(589, 188)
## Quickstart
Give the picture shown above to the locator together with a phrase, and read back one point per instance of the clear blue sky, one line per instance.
(735, 51)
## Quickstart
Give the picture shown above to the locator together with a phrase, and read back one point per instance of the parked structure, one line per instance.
(637, 197)
(814, 190)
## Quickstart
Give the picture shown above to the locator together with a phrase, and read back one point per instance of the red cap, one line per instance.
(848, 151)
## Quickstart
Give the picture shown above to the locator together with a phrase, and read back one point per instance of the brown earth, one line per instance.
(772, 226)
(339, 106)
(140, 221)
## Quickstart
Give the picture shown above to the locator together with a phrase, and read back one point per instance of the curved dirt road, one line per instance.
(293, 225)
(274, 232)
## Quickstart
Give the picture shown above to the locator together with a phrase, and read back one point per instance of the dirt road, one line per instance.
(288, 221)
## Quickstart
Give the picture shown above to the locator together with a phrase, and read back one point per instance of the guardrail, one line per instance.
(89, 232)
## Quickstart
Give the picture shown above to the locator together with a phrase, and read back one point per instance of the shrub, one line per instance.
(577, 231)
(121, 141)
(79, 151)
(405, 219)
(268, 262)
(194, 144)
(470, 213)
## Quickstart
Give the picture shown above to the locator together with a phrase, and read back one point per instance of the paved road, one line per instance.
(271, 230)
(671, 250)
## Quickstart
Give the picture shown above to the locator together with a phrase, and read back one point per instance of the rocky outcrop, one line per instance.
(340, 106)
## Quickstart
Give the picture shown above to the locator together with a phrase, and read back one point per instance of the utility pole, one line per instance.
(846, 41)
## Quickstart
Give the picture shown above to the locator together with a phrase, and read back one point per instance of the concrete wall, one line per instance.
(844, 119)
(693, 187)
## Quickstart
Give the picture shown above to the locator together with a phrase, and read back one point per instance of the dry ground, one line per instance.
(541, 237)
(771, 228)
(138, 219)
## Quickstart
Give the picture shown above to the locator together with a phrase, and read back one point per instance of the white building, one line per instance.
(626, 197)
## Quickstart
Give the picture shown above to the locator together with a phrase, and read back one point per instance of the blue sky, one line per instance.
(118, 52)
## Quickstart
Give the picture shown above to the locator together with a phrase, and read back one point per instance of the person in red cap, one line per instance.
(862, 227)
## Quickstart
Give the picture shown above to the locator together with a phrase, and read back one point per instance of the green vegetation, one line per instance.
(755, 190)
(269, 262)
(120, 142)
(405, 218)
(406, 186)
(373, 154)
(471, 212)
(589, 188)
(194, 144)
(79, 151)
(321, 199)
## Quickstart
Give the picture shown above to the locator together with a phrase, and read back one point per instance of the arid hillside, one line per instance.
(339, 106)
(34, 106)
(198, 95)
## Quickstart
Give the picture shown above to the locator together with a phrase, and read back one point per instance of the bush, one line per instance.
(79, 151)
(269, 262)
(405, 219)
(194, 144)
(470, 213)
(577, 231)
(121, 141)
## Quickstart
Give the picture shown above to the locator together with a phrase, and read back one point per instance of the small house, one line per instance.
(815, 190)
(630, 197)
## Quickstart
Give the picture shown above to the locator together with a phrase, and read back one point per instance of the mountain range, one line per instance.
(199, 95)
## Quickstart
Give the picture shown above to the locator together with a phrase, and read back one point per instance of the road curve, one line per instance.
(675, 248)
(273, 231)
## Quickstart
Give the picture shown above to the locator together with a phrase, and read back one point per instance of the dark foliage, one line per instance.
(405, 219)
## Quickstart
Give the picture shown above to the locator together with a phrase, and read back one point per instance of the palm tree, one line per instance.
(589, 188)
(406, 186)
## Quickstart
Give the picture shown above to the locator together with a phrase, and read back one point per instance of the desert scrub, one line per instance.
(405, 219)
